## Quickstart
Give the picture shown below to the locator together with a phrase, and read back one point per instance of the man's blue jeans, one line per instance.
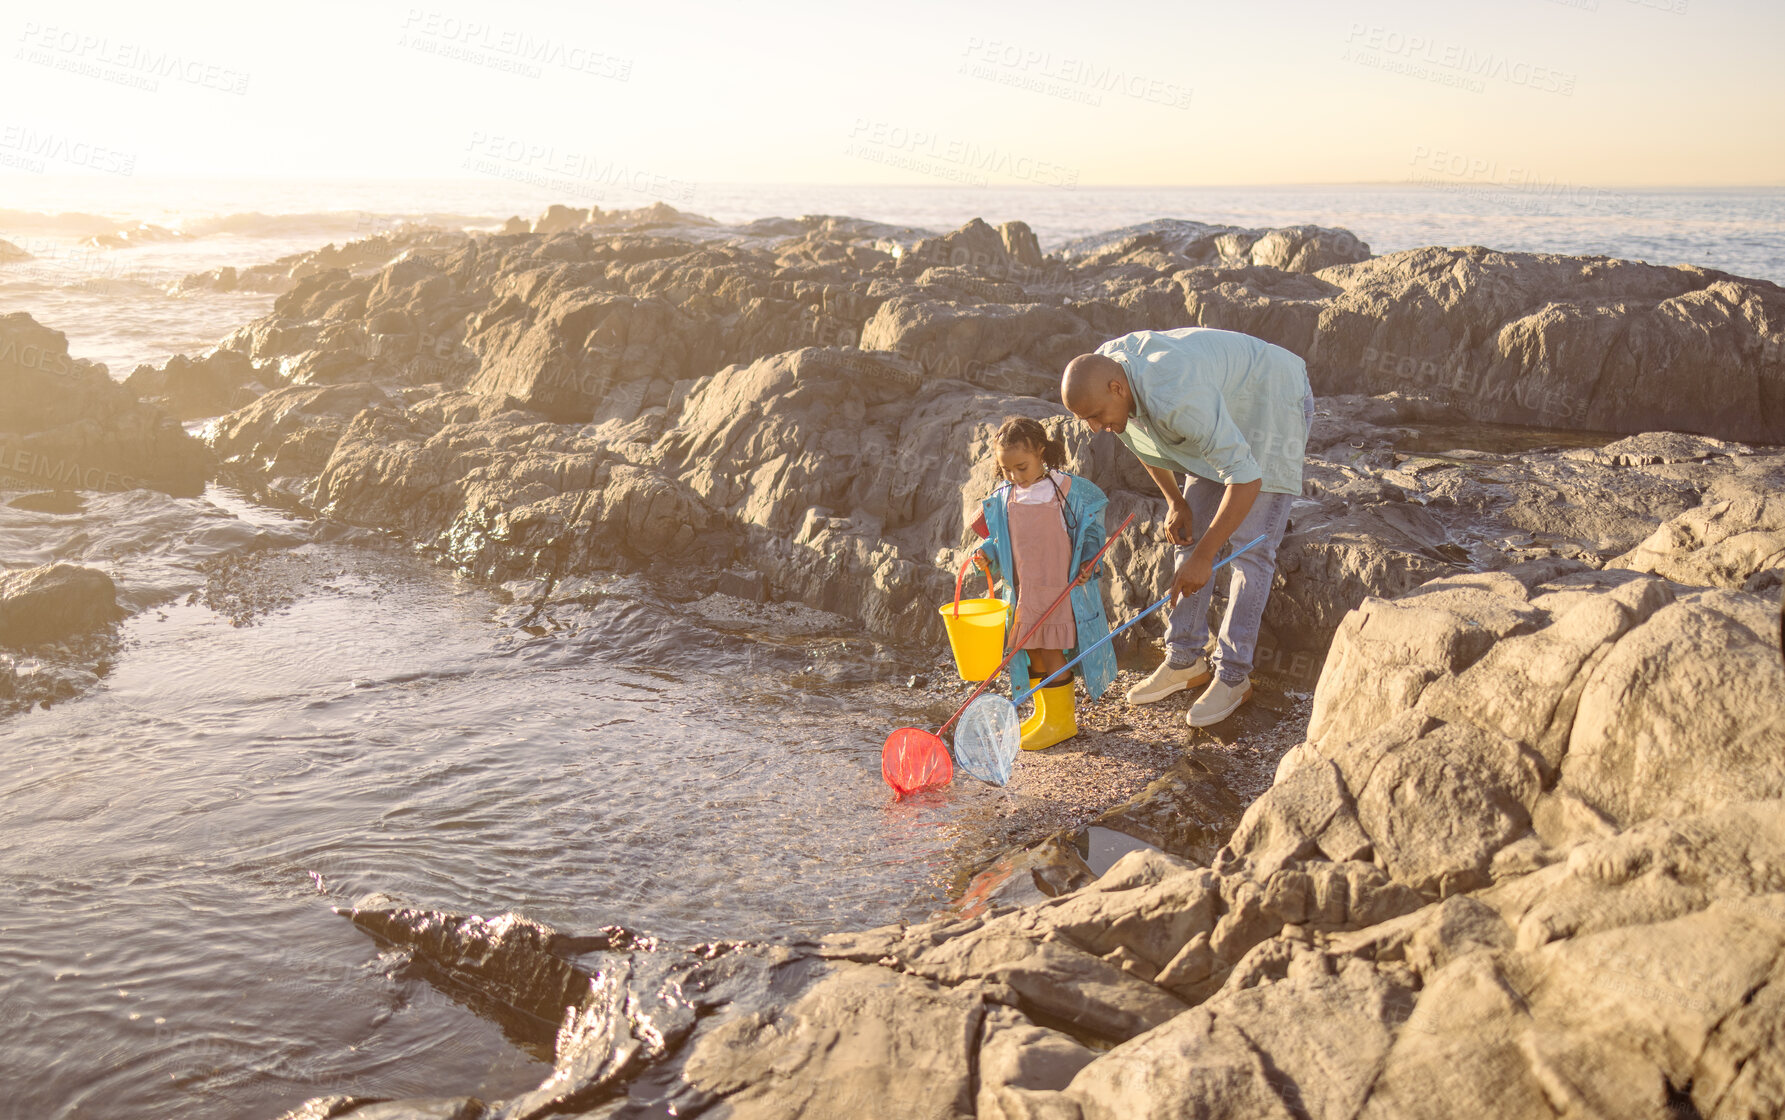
(1249, 578)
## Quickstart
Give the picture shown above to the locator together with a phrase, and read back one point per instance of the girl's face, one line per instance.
(1020, 463)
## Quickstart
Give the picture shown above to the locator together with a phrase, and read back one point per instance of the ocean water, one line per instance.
(334, 717)
(115, 307)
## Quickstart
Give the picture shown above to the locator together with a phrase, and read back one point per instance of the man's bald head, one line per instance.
(1095, 389)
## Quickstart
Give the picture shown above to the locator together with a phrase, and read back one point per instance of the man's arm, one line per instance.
(1198, 568)
(1177, 530)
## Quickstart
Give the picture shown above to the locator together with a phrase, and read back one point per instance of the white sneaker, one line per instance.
(1219, 702)
(1165, 680)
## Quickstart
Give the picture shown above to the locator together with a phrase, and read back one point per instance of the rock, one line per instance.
(1439, 800)
(1736, 538)
(667, 336)
(1173, 243)
(50, 501)
(1356, 535)
(1531, 338)
(860, 1042)
(511, 958)
(1050, 978)
(1151, 920)
(506, 496)
(1020, 243)
(558, 218)
(286, 437)
(898, 466)
(1306, 248)
(1257, 1053)
(948, 340)
(1305, 815)
(11, 254)
(1527, 688)
(219, 280)
(1553, 701)
(744, 584)
(1188, 811)
(417, 1108)
(1019, 1062)
(189, 388)
(1682, 713)
(67, 424)
(976, 247)
(1605, 969)
(1387, 651)
(1193, 1066)
(49, 603)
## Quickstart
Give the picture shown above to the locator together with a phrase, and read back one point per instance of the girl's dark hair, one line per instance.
(1022, 431)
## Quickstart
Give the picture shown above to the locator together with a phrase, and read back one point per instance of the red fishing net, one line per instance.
(914, 760)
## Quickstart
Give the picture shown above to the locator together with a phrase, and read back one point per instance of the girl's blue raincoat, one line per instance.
(1084, 524)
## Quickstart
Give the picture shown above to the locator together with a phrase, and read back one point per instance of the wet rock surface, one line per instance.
(52, 602)
(65, 423)
(210, 385)
(57, 633)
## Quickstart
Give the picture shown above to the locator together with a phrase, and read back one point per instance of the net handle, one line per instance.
(1086, 652)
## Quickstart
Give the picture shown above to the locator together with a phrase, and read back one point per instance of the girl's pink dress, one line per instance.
(1043, 554)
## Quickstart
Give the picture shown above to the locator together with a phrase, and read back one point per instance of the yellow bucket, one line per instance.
(976, 636)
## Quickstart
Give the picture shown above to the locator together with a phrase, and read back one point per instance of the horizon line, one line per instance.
(1428, 184)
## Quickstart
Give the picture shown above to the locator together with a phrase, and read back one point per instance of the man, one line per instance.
(1232, 413)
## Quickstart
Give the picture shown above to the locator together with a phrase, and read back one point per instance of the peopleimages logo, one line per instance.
(30, 466)
(1475, 174)
(925, 150)
(506, 48)
(32, 356)
(1072, 79)
(497, 155)
(133, 64)
(40, 146)
(1393, 47)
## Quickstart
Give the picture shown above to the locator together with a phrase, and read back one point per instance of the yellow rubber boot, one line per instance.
(1034, 719)
(1058, 723)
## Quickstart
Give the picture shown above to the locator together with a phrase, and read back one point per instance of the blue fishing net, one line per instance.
(987, 738)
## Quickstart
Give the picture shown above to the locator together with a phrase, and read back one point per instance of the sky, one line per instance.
(1610, 92)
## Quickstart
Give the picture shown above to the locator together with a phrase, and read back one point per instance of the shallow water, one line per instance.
(1496, 439)
(172, 842)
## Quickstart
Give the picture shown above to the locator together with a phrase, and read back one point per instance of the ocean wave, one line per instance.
(113, 232)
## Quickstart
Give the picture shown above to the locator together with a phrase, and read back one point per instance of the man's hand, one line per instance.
(1190, 577)
(1178, 529)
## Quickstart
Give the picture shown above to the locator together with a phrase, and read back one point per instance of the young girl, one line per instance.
(1042, 525)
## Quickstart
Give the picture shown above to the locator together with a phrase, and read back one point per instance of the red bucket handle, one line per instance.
(974, 557)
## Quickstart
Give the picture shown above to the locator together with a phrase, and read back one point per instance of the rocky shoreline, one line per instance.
(1486, 885)
(1540, 769)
